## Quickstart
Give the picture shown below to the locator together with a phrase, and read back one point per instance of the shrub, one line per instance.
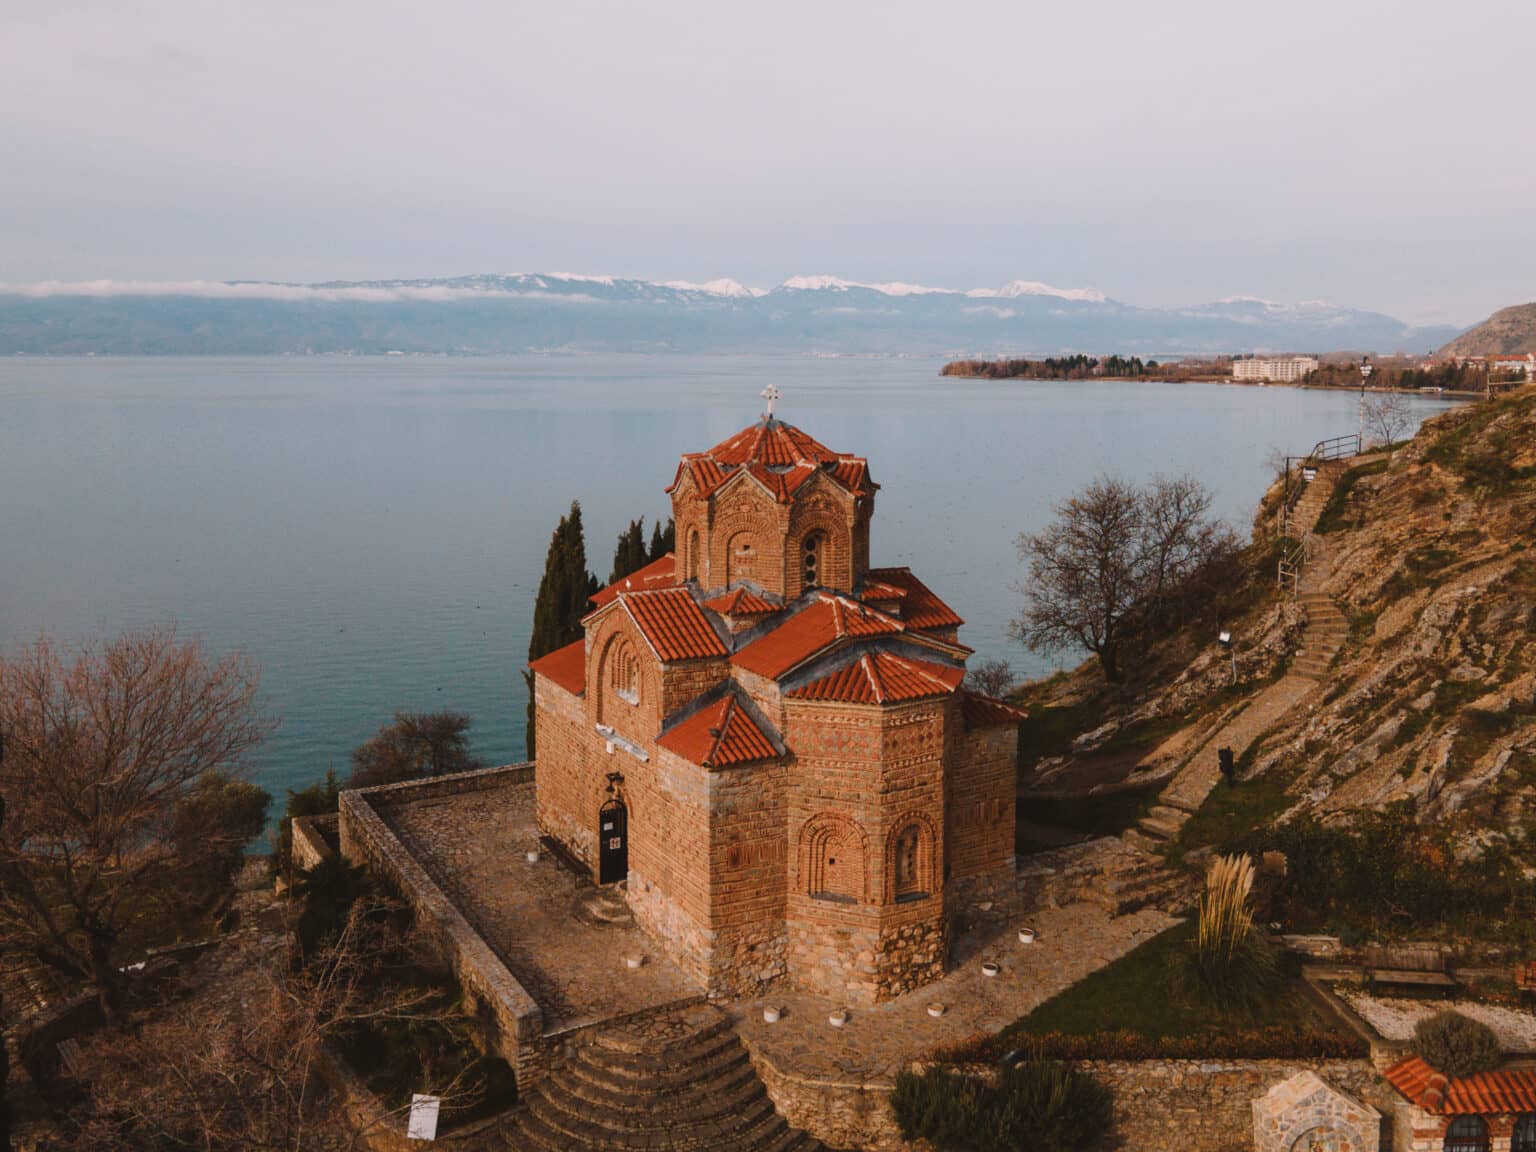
(1040, 1104)
(1456, 1045)
(1229, 965)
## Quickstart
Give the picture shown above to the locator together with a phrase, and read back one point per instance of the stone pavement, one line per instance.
(880, 1040)
(535, 916)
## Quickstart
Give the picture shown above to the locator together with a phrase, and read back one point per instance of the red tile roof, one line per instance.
(719, 736)
(673, 624)
(774, 443)
(814, 629)
(740, 602)
(880, 590)
(980, 711)
(920, 609)
(1506, 1091)
(659, 573)
(779, 456)
(566, 667)
(883, 678)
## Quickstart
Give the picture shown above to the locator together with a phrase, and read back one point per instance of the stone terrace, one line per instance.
(880, 1040)
(472, 845)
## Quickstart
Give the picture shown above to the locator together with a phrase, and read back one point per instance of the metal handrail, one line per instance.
(1294, 554)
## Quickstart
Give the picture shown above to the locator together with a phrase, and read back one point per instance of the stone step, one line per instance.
(583, 1080)
(673, 1130)
(710, 1024)
(705, 1104)
(1159, 829)
(621, 1067)
(1168, 814)
(1142, 841)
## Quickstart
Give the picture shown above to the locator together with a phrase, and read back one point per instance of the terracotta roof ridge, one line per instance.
(719, 732)
(872, 673)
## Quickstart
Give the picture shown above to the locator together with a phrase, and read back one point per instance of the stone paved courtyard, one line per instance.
(880, 1040)
(473, 846)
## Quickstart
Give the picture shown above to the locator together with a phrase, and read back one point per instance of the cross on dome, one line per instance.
(770, 394)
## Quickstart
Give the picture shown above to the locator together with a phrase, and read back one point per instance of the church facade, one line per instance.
(768, 742)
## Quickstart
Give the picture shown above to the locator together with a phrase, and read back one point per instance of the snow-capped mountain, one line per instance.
(536, 311)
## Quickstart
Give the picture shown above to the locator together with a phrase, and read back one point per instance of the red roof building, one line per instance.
(803, 776)
(1464, 1113)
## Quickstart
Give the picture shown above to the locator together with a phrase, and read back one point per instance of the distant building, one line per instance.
(1524, 365)
(1278, 368)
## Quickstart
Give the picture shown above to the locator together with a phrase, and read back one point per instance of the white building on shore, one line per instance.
(1281, 369)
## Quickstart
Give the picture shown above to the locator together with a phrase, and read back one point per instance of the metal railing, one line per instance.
(1295, 550)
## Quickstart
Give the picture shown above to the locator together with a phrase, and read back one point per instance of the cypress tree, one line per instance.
(562, 601)
(663, 540)
(629, 554)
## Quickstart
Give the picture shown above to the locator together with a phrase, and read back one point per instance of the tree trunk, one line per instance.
(108, 981)
(1109, 662)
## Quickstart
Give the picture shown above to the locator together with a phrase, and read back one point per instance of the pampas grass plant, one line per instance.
(1229, 964)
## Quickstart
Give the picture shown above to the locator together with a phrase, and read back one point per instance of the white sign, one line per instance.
(423, 1124)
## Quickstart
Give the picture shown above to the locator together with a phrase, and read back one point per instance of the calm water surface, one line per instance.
(372, 530)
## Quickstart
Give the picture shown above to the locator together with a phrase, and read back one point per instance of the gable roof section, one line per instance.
(920, 608)
(659, 573)
(882, 678)
(824, 622)
(980, 711)
(774, 443)
(741, 601)
(566, 667)
(720, 735)
(673, 624)
(1507, 1090)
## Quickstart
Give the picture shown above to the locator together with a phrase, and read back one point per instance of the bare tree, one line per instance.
(1117, 561)
(102, 754)
(243, 1070)
(993, 678)
(1083, 579)
(1386, 416)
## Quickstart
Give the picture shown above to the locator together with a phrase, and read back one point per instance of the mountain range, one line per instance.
(1508, 332)
(565, 312)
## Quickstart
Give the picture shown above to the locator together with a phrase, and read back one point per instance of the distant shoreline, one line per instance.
(1228, 380)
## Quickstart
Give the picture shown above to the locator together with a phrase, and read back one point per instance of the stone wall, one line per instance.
(1159, 1105)
(366, 839)
(312, 837)
(1207, 1106)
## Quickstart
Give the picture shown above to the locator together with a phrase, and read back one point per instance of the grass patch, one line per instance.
(1127, 1008)
(1049, 731)
(1331, 519)
(1094, 814)
(1233, 811)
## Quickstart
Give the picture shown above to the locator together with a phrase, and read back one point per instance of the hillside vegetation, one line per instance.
(1421, 736)
(1507, 332)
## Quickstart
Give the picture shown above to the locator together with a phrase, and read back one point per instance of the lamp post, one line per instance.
(1365, 375)
(1226, 642)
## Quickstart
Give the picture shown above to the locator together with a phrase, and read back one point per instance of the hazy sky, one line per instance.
(1378, 154)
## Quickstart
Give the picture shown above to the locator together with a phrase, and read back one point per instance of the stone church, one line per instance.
(768, 743)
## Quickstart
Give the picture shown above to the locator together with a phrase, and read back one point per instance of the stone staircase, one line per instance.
(1140, 881)
(1327, 629)
(680, 1080)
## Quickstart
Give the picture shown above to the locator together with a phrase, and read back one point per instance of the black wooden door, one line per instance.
(613, 843)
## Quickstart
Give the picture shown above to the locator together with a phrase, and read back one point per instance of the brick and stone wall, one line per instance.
(1159, 1105)
(312, 838)
(571, 770)
(366, 839)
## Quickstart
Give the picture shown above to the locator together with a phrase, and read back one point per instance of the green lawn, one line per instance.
(1130, 1002)
(1233, 810)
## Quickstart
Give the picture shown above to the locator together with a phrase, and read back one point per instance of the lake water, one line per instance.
(372, 530)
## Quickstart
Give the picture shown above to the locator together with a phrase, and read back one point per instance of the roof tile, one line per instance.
(566, 667)
(920, 608)
(980, 711)
(883, 678)
(719, 736)
(659, 573)
(741, 602)
(813, 629)
(1502, 1092)
(673, 624)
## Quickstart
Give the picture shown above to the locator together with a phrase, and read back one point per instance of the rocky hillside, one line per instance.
(1507, 332)
(1428, 697)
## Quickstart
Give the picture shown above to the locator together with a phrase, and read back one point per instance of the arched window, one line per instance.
(810, 560)
(624, 673)
(832, 861)
(691, 561)
(1524, 1138)
(911, 862)
(1467, 1134)
(741, 558)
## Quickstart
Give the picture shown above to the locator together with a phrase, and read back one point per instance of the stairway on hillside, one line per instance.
(680, 1080)
(1324, 634)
